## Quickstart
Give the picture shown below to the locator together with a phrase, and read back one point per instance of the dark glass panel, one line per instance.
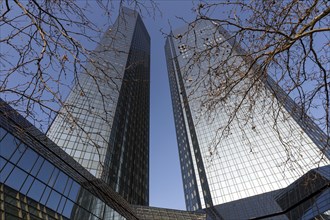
(74, 191)
(5, 172)
(37, 166)
(53, 177)
(10, 216)
(27, 160)
(85, 198)
(34, 211)
(36, 190)
(3, 132)
(18, 153)
(27, 185)
(53, 200)
(45, 196)
(61, 182)
(16, 179)
(2, 163)
(68, 187)
(61, 205)
(67, 209)
(25, 215)
(45, 171)
(80, 212)
(11, 200)
(8, 145)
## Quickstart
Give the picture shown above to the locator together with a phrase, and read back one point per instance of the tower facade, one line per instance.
(104, 124)
(249, 157)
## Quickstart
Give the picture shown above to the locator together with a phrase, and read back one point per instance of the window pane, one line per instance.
(85, 199)
(27, 185)
(74, 191)
(28, 159)
(8, 146)
(68, 187)
(5, 172)
(11, 211)
(36, 190)
(45, 196)
(61, 182)
(53, 200)
(53, 177)
(68, 209)
(2, 163)
(45, 171)
(61, 206)
(37, 166)
(16, 179)
(83, 213)
(2, 133)
(18, 153)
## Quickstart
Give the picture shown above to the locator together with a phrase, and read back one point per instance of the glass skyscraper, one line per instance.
(263, 155)
(104, 123)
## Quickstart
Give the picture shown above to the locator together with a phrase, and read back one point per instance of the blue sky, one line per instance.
(166, 188)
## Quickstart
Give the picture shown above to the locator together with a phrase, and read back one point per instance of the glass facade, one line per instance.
(311, 192)
(39, 181)
(182, 132)
(153, 213)
(253, 157)
(104, 124)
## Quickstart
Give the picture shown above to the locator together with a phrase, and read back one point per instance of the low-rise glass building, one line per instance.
(38, 180)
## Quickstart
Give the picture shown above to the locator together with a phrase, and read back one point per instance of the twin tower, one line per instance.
(104, 125)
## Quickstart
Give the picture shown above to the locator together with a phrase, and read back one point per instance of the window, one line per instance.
(45, 195)
(45, 171)
(53, 200)
(2, 163)
(61, 205)
(74, 191)
(37, 166)
(8, 146)
(36, 190)
(2, 133)
(27, 160)
(18, 153)
(5, 172)
(53, 177)
(26, 184)
(16, 178)
(67, 209)
(61, 182)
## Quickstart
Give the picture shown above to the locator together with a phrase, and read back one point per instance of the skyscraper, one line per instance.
(104, 124)
(221, 165)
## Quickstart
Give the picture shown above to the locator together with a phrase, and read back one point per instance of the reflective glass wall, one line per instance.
(255, 155)
(104, 124)
(38, 180)
(32, 187)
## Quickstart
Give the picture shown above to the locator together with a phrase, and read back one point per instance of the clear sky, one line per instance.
(166, 189)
